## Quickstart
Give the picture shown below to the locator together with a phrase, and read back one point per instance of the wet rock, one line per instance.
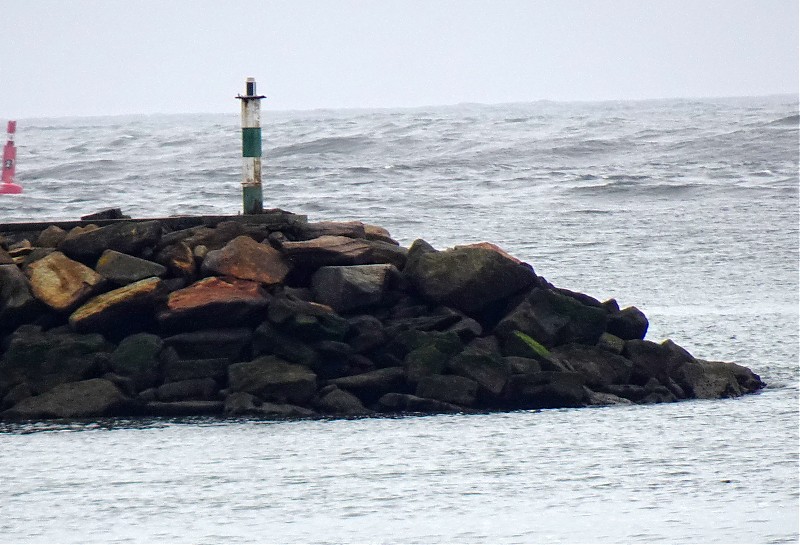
(350, 229)
(61, 283)
(109, 214)
(611, 343)
(132, 303)
(651, 360)
(485, 367)
(87, 398)
(17, 303)
(396, 402)
(268, 340)
(599, 367)
(708, 379)
(546, 390)
(15, 395)
(370, 386)
(283, 410)
(214, 302)
(603, 399)
(177, 370)
(246, 259)
(627, 324)
(352, 287)
(183, 408)
(123, 269)
(228, 343)
(273, 379)
(365, 333)
(341, 403)
(137, 357)
(448, 388)
(425, 361)
(45, 359)
(126, 237)
(523, 366)
(5, 258)
(241, 403)
(468, 279)
(198, 389)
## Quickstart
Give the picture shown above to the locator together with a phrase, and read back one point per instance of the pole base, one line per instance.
(10, 189)
(252, 199)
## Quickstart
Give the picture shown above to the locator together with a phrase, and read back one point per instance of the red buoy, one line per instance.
(8, 187)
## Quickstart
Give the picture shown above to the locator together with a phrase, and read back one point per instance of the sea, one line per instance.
(686, 209)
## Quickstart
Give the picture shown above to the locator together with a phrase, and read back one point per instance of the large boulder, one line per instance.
(17, 304)
(652, 360)
(397, 402)
(468, 278)
(448, 388)
(342, 403)
(552, 319)
(709, 379)
(87, 398)
(121, 309)
(61, 283)
(126, 237)
(247, 259)
(229, 343)
(352, 287)
(627, 324)
(546, 390)
(123, 269)
(482, 365)
(177, 369)
(370, 386)
(599, 367)
(137, 357)
(194, 389)
(340, 250)
(214, 302)
(271, 378)
(45, 359)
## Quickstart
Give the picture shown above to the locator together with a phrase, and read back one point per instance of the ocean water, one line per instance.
(687, 209)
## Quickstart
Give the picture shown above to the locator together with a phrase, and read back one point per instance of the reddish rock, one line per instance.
(214, 302)
(61, 283)
(178, 259)
(246, 259)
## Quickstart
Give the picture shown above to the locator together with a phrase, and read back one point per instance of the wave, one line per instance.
(793, 120)
(328, 144)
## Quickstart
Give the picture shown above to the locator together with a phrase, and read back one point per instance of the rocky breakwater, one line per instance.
(273, 316)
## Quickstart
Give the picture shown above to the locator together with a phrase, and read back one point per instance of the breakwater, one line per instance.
(271, 315)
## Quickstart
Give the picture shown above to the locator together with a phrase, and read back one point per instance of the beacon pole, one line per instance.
(8, 187)
(252, 197)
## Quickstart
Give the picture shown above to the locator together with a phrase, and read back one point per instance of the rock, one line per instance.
(177, 370)
(132, 303)
(137, 357)
(602, 399)
(197, 389)
(748, 381)
(338, 250)
(307, 320)
(241, 403)
(125, 237)
(109, 214)
(15, 395)
(123, 269)
(395, 402)
(46, 359)
(448, 388)
(246, 259)
(229, 343)
(273, 379)
(611, 343)
(484, 367)
(268, 340)
(283, 410)
(375, 232)
(178, 259)
(651, 360)
(370, 386)
(468, 279)
(546, 390)
(61, 283)
(523, 366)
(552, 318)
(341, 403)
(87, 398)
(708, 379)
(425, 361)
(599, 367)
(214, 302)
(627, 324)
(183, 408)
(50, 237)
(5, 258)
(17, 304)
(365, 333)
(350, 229)
(352, 287)
(211, 238)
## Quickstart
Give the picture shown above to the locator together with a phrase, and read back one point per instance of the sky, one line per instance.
(108, 57)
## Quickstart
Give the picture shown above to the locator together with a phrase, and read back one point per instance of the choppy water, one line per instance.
(687, 209)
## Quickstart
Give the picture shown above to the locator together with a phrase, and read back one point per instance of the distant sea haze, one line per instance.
(687, 209)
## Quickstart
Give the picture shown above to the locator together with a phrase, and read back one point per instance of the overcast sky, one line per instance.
(99, 57)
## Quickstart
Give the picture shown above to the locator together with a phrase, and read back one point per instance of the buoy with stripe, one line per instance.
(8, 187)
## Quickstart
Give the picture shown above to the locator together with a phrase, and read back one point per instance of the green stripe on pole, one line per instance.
(252, 199)
(251, 142)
